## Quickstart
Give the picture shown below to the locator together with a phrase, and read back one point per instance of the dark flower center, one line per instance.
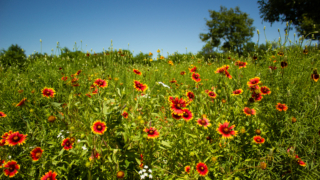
(48, 178)
(11, 168)
(38, 154)
(99, 127)
(225, 130)
(138, 85)
(72, 139)
(185, 114)
(48, 93)
(281, 106)
(151, 132)
(258, 140)
(68, 143)
(178, 105)
(248, 111)
(203, 122)
(196, 76)
(16, 138)
(201, 168)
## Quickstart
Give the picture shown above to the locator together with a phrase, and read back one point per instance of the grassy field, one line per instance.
(97, 117)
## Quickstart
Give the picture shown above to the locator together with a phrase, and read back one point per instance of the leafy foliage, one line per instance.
(233, 26)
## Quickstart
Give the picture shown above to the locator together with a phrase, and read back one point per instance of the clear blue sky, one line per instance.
(148, 25)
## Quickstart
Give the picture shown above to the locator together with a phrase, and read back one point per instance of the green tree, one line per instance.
(302, 13)
(14, 56)
(233, 26)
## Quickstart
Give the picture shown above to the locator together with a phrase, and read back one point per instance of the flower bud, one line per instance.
(264, 28)
(51, 119)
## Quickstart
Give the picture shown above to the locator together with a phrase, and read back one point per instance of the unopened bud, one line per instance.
(264, 28)
(294, 34)
(278, 30)
(258, 32)
(287, 24)
(40, 40)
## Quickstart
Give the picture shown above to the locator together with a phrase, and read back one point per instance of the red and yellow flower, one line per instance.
(202, 169)
(15, 139)
(193, 70)
(139, 86)
(212, 94)
(258, 139)
(187, 115)
(241, 64)
(2, 114)
(254, 81)
(11, 168)
(94, 155)
(187, 169)
(152, 132)
(125, 114)
(265, 90)
(98, 127)
(226, 131)
(282, 107)
(190, 96)
(315, 77)
(249, 111)
(301, 163)
(64, 78)
(101, 83)
(136, 71)
(120, 174)
(204, 122)
(21, 102)
(48, 92)
(176, 116)
(36, 153)
(67, 144)
(256, 96)
(2, 163)
(49, 176)
(196, 77)
(237, 92)
(177, 105)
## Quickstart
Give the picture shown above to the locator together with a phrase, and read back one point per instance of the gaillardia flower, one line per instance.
(177, 105)
(202, 169)
(94, 155)
(196, 77)
(2, 114)
(125, 114)
(136, 71)
(36, 153)
(187, 169)
(152, 132)
(67, 144)
(204, 122)
(283, 64)
(193, 70)
(21, 102)
(101, 83)
(265, 90)
(190, 96)
(237, 92)
(256, 96)
(139, 86)
(15, 138)
(212, 94)
(187, 115)
(301, 163)
(249, 111)
(281, 107)
(11, 168)
(226, 131)
(258, 139)
(49, 176)
(254, 81)
(48, 92)
(176, 116)
(315, 77)
(99, 127)
(241, 64)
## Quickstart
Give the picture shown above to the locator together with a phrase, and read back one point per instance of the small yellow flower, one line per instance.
(151, 60)
(158, 50)
(150, 54)
(116, 79)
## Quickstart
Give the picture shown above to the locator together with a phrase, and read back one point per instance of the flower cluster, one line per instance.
(144, 172)
(241, 64)
(224, 70)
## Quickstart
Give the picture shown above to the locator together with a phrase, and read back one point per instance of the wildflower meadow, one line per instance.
(109, 116)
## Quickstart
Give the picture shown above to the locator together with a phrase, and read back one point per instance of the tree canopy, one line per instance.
(302, 13)
(233, 26)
